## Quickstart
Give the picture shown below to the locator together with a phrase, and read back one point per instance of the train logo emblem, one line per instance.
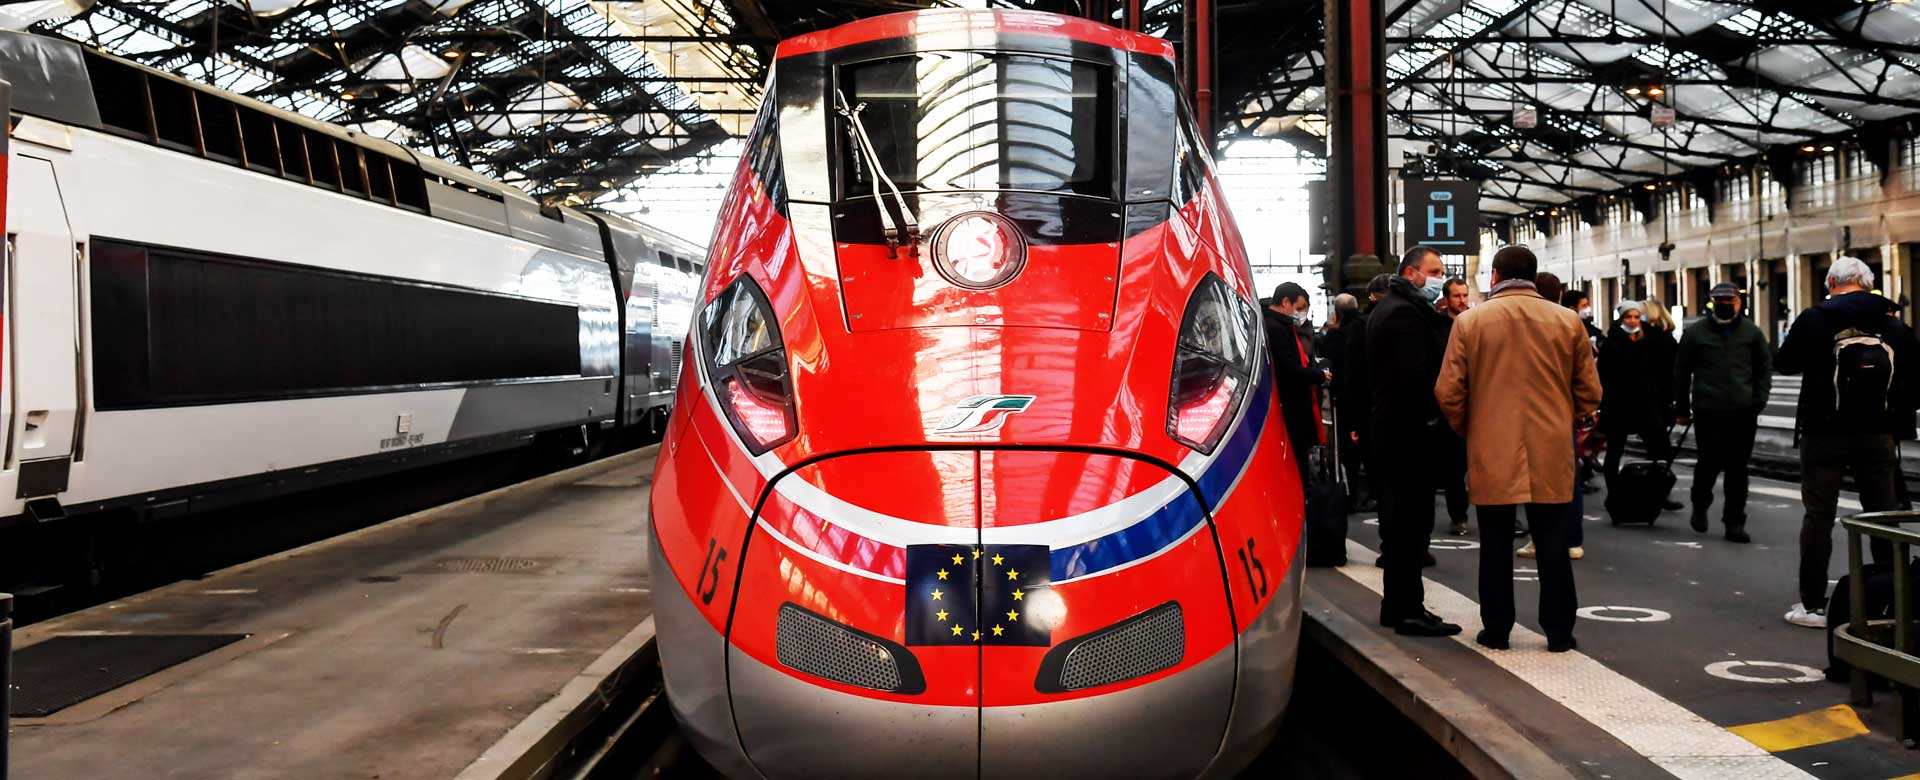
(983, 413)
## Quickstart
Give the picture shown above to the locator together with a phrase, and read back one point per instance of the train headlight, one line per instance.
(747, 365)
(1212, 365)
(979, 250)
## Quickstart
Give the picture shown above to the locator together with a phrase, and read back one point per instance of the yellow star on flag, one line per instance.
(1011, 615)
(976, 636)
(936, 594)
(1013, 574)
(1017, 594)
(942, 573)
(997, 560)
(976, 553)
(997, 631)
(956, 630)
(942, 615)
(956, 560)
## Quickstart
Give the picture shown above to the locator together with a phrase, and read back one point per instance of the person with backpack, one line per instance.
(1852, 402)
(1722, 377)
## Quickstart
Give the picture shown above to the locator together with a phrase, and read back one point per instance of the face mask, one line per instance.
(1586, 314)
(1724, 312)
(1434, 287)
(1632, 330)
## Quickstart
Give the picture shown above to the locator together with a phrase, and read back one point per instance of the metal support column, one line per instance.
(1357, 130)
(1203, 69)
(6, 677)
(1133, 20)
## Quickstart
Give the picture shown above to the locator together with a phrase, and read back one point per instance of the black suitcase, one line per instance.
(1326, 505)
(1637, 494)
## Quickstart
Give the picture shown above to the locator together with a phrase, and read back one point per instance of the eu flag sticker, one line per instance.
(965, 594)
(1010, 576)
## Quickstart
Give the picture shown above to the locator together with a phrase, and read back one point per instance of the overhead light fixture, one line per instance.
(1656, 91)
(1633, 91)
(1808, 149)
(452, 54)
(606, 182)
(1652, 186)
(347, 96)
(1826, 148)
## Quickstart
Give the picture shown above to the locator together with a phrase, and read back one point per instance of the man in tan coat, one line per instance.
(1518, 373)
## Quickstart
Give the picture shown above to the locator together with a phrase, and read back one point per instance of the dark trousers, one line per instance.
(1825, 460)
(1355, 468)
(1649, 428)
(1725, 441)
(1551, 524)
(1406, 521)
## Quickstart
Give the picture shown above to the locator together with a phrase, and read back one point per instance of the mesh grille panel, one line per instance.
(673, 370)
(1142, 645)
(809, 643)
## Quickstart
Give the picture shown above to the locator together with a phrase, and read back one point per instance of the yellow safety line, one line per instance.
(1807, 729)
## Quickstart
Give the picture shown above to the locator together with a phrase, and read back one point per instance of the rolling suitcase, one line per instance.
(1638, 491)
(1326, 506)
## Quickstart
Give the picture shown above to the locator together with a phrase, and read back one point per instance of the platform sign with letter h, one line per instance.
(1444, 215)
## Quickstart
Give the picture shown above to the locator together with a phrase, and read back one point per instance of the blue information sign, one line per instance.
(1444, 215)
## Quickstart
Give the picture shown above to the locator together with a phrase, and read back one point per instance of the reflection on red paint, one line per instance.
(1196, 421)
(978, 251)
(765, 422)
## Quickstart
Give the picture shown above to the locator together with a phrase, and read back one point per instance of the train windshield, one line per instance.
(953, 120)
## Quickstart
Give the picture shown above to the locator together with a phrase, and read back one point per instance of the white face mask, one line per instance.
(1586, 313)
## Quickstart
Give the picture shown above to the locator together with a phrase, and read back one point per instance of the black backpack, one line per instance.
(1863, 374)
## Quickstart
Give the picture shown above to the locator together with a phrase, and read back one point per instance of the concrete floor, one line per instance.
(367, 657)
(1713, 602)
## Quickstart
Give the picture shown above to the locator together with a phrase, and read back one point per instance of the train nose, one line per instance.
(1015, 613)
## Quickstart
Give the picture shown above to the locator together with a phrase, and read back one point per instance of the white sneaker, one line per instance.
(1576, 553)
(1801, 616)
(1527, 551)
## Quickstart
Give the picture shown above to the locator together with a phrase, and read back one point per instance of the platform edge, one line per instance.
(1484, 743)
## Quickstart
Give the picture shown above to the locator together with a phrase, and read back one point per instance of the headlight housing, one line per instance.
(746, 364)
(1212, 364)
(979, 250)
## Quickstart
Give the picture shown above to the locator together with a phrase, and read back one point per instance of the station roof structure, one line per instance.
(570, 99)
(1744, 79)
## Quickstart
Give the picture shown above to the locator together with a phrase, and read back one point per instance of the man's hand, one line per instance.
(1353, 436)
(1326, 375)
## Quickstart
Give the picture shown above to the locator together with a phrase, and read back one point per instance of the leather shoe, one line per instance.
(1561, 645)
(1488, 639)
(1738, 536)
(1698, 521)
(1428, 624)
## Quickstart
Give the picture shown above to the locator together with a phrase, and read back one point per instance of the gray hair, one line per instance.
(1345, 307)
(1850, 270)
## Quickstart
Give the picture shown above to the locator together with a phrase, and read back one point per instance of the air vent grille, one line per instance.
(810, 643)
(1136, 647)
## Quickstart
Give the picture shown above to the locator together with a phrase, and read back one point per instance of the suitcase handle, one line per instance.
(1673, 452)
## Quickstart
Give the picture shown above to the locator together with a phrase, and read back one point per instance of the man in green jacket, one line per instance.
(1721, 378)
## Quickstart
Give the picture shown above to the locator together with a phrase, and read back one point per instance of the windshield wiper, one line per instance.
(903, 228)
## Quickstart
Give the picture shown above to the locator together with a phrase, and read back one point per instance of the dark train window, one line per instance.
(763, 154)
(953, 120)
(256, 135)
(379, 179)
(409, 185)
(219, 127)
(121, 92)
(353, 178)
(293, 150)
(666, 260)
(326, 169)
(685, 264)
(175, 328)
(173, 114)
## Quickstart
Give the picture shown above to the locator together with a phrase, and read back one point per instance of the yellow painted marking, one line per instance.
(942, 615)
(957, 559)
(997, 560)
(936, 594)
(1013, 574)
(943, 574)
(1914, 776)
(956, 630)
(1807, 729)
(1017, 594)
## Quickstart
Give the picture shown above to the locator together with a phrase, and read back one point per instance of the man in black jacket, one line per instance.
(1359, 388)
(1722, 375)
(1405, 346)
(1296, 374)
(1844, 433)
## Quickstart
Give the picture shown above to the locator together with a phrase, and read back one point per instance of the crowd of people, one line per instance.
(1505, 407)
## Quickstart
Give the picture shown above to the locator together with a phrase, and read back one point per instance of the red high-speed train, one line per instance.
(978, 470)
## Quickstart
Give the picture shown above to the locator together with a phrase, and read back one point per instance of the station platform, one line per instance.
(464, 641)
(1685, 667)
